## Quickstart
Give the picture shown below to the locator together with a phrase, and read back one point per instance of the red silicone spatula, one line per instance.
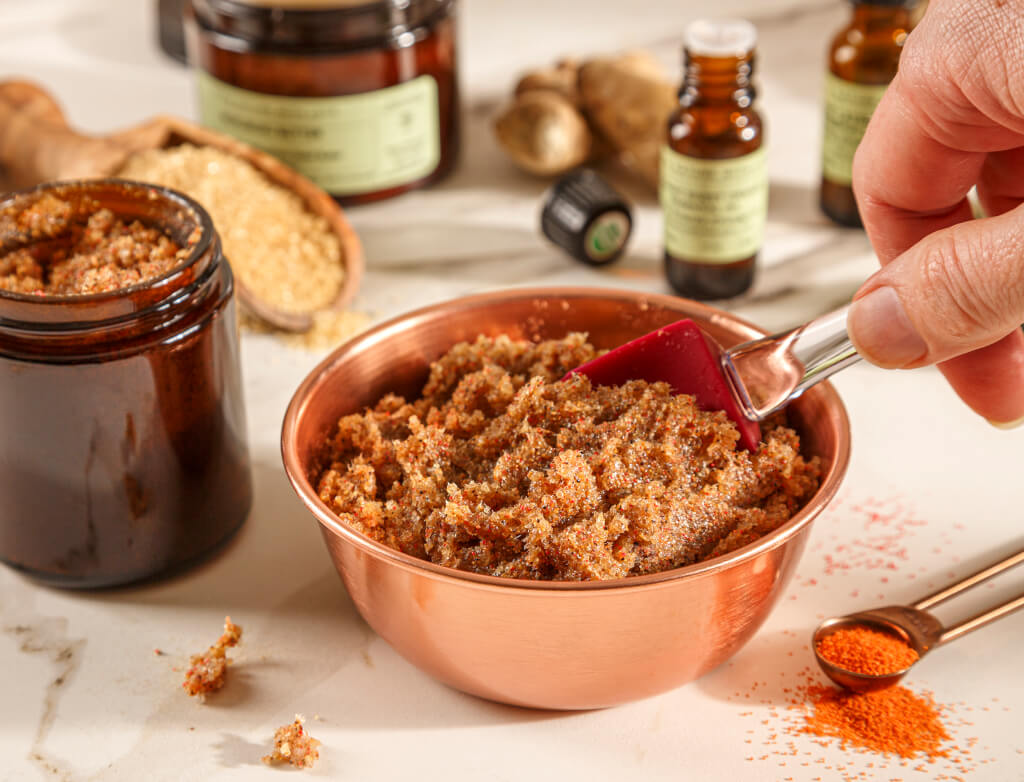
(748, 381)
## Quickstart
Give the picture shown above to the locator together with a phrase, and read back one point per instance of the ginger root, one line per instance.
(544, 133)
(628, 100)
(569, 114)
(562, 78)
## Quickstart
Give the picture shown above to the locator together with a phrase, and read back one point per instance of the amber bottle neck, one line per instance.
(718, 81)
(871, 16)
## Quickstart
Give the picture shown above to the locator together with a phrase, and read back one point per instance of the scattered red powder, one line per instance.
(882, 545)
(893, 721)
(877, 732)
(802, 722)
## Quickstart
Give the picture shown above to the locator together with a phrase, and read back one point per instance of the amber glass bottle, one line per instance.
(714, 181)
(862, 60)
(361, 96)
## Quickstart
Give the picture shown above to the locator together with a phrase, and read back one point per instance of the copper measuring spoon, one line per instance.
(919, 628)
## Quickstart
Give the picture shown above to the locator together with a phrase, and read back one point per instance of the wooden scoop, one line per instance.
(748, 382)
(37, 145)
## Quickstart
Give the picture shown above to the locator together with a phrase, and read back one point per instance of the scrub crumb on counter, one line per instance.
(72, 255)
(292, 744)
(207, 671)
(502, 469)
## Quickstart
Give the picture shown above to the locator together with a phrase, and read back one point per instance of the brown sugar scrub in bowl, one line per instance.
(123, 453)
(501, 469)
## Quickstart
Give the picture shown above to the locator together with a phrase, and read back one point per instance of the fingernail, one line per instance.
(1006, 424)
(882, 332)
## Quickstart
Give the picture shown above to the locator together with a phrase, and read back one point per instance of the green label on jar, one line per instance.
(848, 108)
(347, 144)
(714, 210)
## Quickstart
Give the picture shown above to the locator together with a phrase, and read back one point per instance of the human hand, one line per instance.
(951, 290)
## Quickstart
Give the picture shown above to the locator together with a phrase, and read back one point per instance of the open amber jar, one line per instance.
(358, 95)
(122, 445)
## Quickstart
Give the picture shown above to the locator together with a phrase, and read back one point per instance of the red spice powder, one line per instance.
(893, 721)
(860, 649)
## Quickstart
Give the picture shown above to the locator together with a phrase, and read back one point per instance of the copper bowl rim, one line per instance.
(826, 491)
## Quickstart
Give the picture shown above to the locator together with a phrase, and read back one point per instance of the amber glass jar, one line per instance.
(713, 173)
(360, 96)
(862, 59)
(123, 448)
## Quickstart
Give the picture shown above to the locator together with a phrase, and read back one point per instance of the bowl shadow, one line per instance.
(766, 671)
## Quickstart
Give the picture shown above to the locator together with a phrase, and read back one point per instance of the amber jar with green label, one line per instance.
(713, 173)
(360, 96)
(863, 59)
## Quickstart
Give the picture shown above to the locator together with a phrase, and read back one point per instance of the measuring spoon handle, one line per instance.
(973, 580)
(982, 619)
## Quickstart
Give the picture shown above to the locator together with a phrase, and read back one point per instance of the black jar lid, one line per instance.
(311, 27)
(587, 218)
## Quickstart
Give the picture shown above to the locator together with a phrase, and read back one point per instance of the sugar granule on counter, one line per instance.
(207, 671)
(293, 744)
(866, 651)
(286, 255)
(330, 329)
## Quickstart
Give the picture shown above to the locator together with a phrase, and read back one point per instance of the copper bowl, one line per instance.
(552, 645)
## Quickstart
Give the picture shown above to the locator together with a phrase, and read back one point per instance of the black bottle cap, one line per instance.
(585, 217)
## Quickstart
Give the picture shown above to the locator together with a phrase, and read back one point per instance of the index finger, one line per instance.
(952, 103)
(908, 182)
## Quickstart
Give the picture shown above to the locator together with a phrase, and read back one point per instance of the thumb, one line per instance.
(955, 291)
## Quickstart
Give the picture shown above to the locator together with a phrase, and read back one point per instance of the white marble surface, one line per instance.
(932, 490)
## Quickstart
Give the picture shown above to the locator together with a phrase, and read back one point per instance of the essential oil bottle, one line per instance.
(713, 176)
(862, 60)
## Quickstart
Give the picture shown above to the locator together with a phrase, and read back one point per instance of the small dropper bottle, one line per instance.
(862, 60)
(713, 176)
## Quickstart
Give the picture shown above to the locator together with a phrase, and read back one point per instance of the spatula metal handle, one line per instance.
(768, 373)
(823, 347)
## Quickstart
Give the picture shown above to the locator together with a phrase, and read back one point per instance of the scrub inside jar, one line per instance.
(70, 253)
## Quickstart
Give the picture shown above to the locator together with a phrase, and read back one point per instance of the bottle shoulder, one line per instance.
(717, 135)
(713, 119)
(867, 55)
